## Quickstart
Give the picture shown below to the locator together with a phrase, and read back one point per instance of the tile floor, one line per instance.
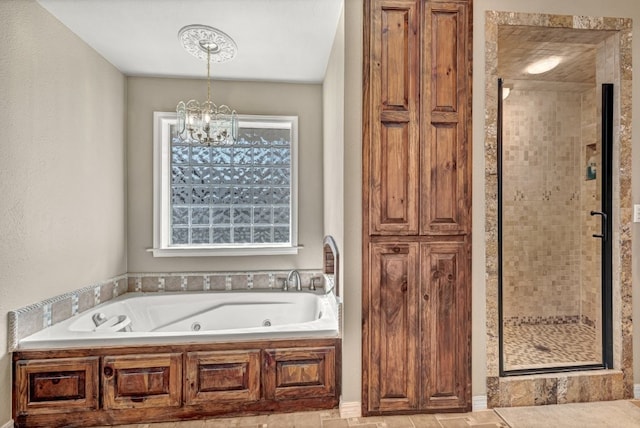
(331, 419)
(540, 345)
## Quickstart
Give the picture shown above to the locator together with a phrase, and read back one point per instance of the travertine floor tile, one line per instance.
(186, 424)
(221, 423)
(455, 423)
(383, 421)
(499, 424)
(330, 414)
(485, 416)
(170, 425)
(335, 423)
(425, 421)
(294, 420)
(241, 422)
(331, 419)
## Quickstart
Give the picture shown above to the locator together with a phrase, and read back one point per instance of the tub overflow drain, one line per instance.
(266, 323)
(196, 326)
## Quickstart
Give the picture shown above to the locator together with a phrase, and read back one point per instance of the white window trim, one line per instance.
(162, 122)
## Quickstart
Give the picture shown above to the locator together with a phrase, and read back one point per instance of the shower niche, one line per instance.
(555, 135)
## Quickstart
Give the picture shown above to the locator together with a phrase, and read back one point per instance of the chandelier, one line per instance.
(207, 123)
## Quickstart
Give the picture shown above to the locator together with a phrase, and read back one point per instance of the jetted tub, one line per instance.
(149, 318)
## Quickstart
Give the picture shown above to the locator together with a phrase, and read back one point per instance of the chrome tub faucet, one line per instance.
(292, 274)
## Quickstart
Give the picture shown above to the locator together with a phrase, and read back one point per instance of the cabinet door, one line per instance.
(223, 376)
(393, 331)
(56, 386)
(299, 373)
(142, 381)
(445, 319)
(444, 152)
(391, 158)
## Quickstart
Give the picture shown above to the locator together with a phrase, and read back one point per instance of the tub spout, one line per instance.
(292, 274)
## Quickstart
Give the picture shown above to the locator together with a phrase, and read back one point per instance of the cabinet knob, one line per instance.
(108, 371)
(425, 297)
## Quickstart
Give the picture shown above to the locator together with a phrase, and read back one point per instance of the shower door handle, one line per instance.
(604, 225)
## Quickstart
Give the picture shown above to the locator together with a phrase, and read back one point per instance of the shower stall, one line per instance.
(554, 199)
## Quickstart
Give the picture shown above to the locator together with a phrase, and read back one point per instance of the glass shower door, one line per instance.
(554, 172)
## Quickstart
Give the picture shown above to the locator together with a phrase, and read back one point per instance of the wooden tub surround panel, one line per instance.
(416, 158)
(68, 385)
(124, 385)
(226, 376)
(141, 381)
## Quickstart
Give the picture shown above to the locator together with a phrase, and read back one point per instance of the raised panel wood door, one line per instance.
(142, 381)
(56, 386)
(416, 206)
(393, 334)
(391, 159)
(299, 373)
(445, 153)
(222, 377)
(445, 322)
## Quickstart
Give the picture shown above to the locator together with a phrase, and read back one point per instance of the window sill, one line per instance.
(215, 252)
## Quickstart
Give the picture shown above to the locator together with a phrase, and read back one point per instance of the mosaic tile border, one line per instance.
(550, 320)
(499, 390)
(38, 316)
(217, 281)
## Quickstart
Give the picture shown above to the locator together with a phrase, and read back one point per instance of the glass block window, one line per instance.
(240, 196)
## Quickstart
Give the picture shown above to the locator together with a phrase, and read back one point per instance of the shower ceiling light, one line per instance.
(207, 123)
(544, 65)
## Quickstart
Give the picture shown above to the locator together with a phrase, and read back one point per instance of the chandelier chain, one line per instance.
(208, 75)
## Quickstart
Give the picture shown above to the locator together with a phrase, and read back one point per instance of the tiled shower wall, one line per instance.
(590, 199)
(551, 261)
(541, 206)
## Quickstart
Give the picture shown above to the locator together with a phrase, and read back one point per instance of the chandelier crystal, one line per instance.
(207, 123)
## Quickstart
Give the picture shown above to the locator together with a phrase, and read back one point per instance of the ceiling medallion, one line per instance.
(200, 40)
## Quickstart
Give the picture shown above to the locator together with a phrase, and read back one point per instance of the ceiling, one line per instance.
(278, 40)
(519, 46)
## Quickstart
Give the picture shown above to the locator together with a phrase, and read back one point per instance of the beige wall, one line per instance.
(146, 95)
(333, 144)
(352, 246)
(352, 192)
(62, 176)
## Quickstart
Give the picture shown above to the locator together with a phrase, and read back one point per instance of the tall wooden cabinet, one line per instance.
(417, 205)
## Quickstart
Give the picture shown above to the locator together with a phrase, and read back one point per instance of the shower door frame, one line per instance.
(606, 236)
